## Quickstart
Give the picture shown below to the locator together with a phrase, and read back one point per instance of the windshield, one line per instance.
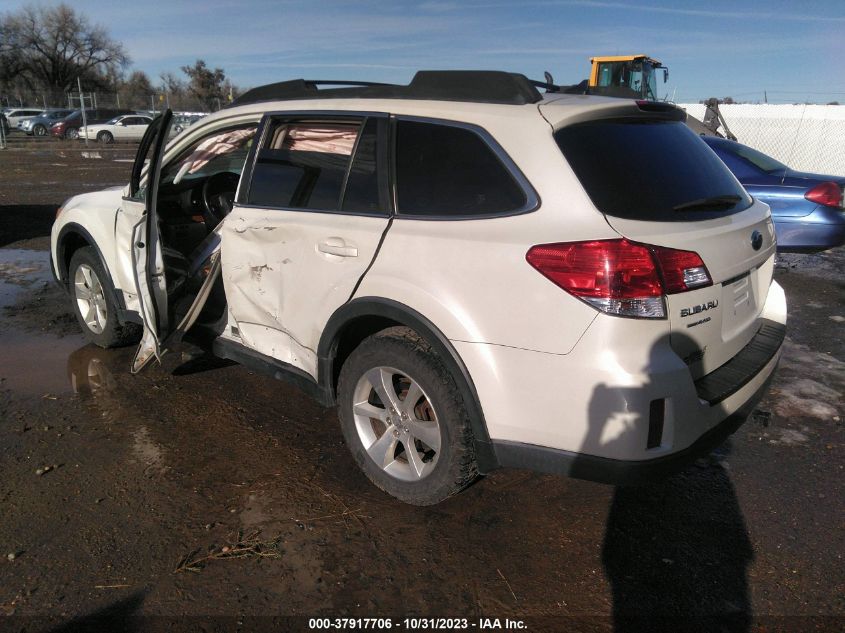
(224, 151)
(635, 78)
(649, 81)
(113, 121)
(758, 159)
(643, 169)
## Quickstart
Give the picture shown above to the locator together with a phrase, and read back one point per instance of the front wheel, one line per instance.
(93, 299)
(39, 130)
(404, 419)
(72, 133)
(105, 138)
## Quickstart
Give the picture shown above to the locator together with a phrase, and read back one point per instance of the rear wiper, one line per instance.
(714, 203)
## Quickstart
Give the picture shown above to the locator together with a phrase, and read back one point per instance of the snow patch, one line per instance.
(797, 395)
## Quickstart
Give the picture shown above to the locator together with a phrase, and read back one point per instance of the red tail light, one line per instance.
(620, 277)
(682, 270)
(826, 193)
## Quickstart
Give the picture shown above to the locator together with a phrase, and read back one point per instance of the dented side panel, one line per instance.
(286, 271)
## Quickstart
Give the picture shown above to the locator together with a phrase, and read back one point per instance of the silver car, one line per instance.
(40, 125)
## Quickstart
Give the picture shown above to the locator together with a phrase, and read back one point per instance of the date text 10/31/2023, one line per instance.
(415, 624)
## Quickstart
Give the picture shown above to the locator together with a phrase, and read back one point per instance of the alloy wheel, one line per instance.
(90, 299)
(396, 423)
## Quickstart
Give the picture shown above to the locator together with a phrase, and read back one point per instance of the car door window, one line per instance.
(303, 165)
(366, 186)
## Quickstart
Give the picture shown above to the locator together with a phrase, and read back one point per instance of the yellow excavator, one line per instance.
(636, 76)
(626, 76)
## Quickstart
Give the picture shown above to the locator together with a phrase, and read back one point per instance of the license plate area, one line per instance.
(739, 304)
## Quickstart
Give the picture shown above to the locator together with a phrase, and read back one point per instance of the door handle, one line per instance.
(336, 246)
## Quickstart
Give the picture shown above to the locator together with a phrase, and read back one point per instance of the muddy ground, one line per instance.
(144, 479)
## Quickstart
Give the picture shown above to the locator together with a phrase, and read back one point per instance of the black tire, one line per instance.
(72, 133)
(405, 351)
(109, 333)
(105, 138)
(39, 130)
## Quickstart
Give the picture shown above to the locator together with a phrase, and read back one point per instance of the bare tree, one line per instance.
(50, 47)
(208, 86)
(135, 91)
(172, 84)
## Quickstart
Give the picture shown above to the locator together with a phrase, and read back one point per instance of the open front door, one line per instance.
(147, 257)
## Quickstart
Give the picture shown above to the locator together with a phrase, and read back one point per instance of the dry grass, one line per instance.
(239, 546)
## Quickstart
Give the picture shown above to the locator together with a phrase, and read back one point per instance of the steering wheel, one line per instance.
(218, 197)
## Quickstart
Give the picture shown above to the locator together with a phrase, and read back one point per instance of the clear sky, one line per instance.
(793, 50)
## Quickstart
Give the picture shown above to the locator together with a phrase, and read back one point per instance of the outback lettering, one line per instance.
(699, 322)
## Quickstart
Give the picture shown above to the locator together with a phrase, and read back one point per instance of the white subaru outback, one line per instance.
(477, 274)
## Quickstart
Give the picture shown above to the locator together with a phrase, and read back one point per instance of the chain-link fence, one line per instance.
(113, 100)
(805, 137)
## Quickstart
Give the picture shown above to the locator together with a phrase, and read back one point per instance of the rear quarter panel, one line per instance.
(470, 277)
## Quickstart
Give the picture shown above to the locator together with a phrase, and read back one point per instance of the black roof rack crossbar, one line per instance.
(337, 82)
(477, 86)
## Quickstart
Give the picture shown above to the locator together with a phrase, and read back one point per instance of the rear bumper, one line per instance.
(623, 405)
(723, 383)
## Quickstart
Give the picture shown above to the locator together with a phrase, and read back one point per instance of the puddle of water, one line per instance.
(21, 270)
(36, 364)
(31, 363)
(148, 452)
(257, 511)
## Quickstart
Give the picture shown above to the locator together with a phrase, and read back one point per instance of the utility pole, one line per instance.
(765, 97)
(82, 105)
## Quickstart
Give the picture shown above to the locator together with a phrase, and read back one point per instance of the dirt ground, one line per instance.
(118, 493)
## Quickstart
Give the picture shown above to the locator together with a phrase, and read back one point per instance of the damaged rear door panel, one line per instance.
(305, 228)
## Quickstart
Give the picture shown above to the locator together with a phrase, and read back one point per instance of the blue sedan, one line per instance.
(808, 209)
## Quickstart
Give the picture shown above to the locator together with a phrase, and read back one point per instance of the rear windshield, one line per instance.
(643, 169)
(758, 159)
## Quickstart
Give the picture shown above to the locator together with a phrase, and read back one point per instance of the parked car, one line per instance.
(18, 115)
(808, 209)
(40, 125)
(476, 274)
(69, 126)
(127, 127)
(180, 122)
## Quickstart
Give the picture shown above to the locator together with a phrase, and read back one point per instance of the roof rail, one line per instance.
(477, 86)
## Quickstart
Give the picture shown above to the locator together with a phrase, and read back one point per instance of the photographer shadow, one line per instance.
(676, 551)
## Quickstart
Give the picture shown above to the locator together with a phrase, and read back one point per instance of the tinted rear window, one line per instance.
(642, 169)
(445, 170)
